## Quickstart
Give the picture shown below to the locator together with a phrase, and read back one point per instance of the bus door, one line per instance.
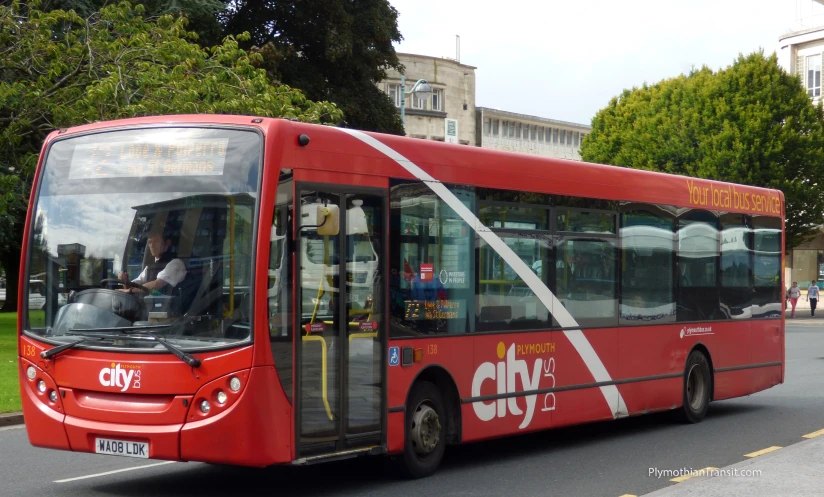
(340, 379)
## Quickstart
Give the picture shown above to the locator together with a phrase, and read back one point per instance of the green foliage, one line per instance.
(9, 384)
(332, 50)
(59, 69)
(751, 123)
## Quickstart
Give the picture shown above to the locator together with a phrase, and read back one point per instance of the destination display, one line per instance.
(130, 159)
(417, 310)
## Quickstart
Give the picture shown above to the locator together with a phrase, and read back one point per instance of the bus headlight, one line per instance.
(31, 372)
(234, 383)
(221, 397)
(41, 386)
(53, 396)
(204, 407)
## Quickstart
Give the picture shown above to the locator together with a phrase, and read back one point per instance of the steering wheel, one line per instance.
(126, 284)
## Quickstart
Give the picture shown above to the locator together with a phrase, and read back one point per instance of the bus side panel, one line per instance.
(395, 432)
(767, 340)
(764, 378)
(570, 369)
(731, 384)
(253, 432)
(453, 354)
(505, 365)
(647, 352)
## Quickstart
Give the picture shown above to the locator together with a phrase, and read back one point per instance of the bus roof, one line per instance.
(468, 165)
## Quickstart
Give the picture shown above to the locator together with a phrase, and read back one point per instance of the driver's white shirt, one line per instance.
(173, 273)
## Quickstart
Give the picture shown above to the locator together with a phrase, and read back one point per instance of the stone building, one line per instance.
(512, 132)
(451, 103)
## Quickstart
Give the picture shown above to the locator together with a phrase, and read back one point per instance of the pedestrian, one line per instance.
(812, 296)
(793, 295)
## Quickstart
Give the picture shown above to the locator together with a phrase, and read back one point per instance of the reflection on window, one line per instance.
(515, 217)
(767, 248)
(647, 267)
(432, 262)
(736, 266)
(698, 267)
(585, 281)
(585, 221)
(504, 301)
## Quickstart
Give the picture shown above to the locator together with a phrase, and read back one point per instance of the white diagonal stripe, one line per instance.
(575, 336)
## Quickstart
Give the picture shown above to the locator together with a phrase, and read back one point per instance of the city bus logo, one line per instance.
(505, 374)
(125, 377)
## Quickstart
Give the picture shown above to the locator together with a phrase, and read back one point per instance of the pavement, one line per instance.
(794, 470)
(802, 311)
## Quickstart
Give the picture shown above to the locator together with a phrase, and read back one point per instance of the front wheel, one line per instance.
(697, 386)
(425, 430)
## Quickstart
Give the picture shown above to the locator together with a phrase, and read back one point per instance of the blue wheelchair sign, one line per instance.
(394, 356)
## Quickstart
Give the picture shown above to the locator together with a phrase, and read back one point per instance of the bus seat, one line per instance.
(205, 296)
(187, 289)
(496, 313)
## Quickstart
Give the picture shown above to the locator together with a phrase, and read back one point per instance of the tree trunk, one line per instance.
(10, 260)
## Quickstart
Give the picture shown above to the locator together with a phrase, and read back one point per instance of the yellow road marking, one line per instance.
(762, 452)
(628, 495)
(699, 472)
(814, 434)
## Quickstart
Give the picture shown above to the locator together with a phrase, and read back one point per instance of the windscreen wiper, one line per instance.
(133, 333)
(56, 350)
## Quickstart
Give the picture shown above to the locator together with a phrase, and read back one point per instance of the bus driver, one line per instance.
(165, 271)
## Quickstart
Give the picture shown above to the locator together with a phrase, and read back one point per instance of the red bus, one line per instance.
(261, 291)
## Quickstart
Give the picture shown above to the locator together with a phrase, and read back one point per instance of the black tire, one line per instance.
(425, 413)
(697, 388)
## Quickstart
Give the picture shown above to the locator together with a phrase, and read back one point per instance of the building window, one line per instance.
(505, 130)
(487, 125)
(419, 102)
(541, 134)
(569, 138)
(512, 130)
(563, 136)
(495, 127)
(555, 135)
(517, 130)
(437, 100)
(814, 75)
(532, 130)
(575, 141)
(394, 92)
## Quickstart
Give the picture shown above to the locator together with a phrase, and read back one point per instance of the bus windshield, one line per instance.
(145, 228)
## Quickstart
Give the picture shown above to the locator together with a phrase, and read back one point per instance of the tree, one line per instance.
(58, 69)
(751, 123)
(202, 14)
(334, 50)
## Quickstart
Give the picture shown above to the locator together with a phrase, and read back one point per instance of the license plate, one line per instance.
(121, 448)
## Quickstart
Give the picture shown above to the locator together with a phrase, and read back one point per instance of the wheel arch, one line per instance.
(702, 347)
(443, 380)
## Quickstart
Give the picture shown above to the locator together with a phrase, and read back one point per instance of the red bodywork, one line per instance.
(257, 425)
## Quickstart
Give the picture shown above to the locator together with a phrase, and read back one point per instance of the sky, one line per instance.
(565, 59)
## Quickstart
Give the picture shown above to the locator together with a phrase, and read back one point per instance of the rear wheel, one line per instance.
(425, 430)
(697, 386)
